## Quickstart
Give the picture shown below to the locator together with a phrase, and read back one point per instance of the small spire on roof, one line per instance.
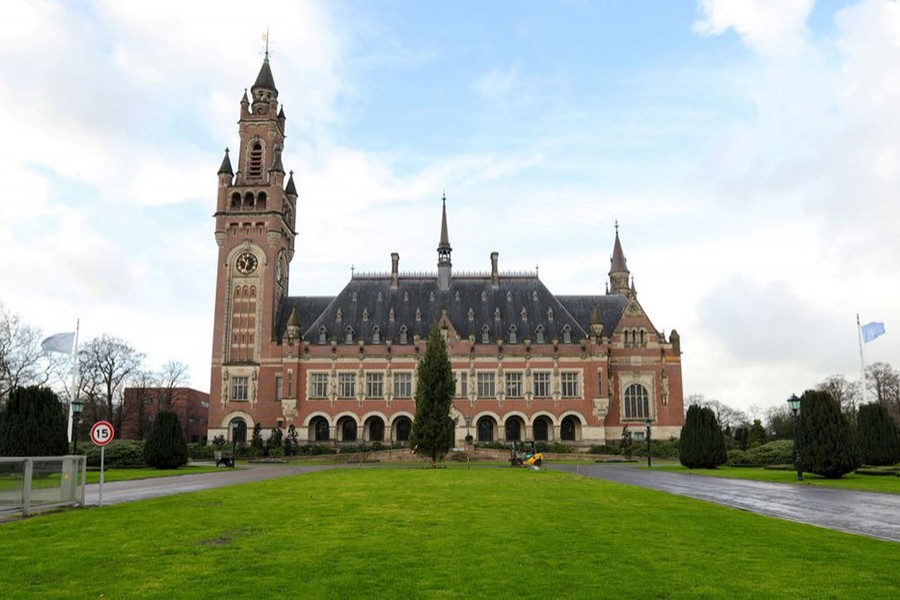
(226, 169)
(290, 189)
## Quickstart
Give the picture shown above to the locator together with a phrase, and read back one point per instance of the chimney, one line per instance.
(495, 274)
(395, 262)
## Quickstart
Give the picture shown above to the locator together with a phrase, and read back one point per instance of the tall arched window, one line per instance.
(238, 428)
(320, 429)
(568, 428)
(485, 429)
(348, 430)
(256, 153)
(637, 402)
(541, 429)
(403, 428)
(513, 430)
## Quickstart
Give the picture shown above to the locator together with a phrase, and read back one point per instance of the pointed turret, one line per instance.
(444, 250)
(265, 80)
(596, 321)
(290, 189)
(293, 325)
(226, 169)
(618, 270)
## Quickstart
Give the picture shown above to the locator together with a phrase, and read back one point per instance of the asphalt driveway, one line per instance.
(866, 513)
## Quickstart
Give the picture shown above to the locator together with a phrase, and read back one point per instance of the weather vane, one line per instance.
(265, 38)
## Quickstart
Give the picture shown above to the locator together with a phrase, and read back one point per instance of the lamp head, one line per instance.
(794, 402)
(77, 406)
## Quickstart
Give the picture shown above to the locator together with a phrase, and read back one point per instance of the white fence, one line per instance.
(39, 483)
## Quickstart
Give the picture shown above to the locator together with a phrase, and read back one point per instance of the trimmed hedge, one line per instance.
(119, 454)
(780, 452)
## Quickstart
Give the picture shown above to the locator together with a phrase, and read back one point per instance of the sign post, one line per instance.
(102, 433)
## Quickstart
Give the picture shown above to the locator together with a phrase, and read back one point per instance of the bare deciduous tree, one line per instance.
(106, 363)
(22, 362)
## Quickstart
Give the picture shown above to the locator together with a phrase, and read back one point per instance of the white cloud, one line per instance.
(497, 83)
(767, 26)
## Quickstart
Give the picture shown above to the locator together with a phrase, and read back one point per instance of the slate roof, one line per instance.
(265, 78)
(472, 303)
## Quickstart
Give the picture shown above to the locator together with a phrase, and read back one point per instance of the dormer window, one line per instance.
(513, 339)
(550, 314)
(567, 335)
(404, 337)
(256, 155)
(485, 335)
(539, 334)
(339, 316)
(348, 335)
(323, 335)
(365, 314)
(376, 335)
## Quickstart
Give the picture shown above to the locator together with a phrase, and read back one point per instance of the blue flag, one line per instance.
(872, 330)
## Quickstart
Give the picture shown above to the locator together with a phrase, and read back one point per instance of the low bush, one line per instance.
(879, 471)
(119, 453)
(314, 450)
(779, 452)
(199, 451)
(604, 449)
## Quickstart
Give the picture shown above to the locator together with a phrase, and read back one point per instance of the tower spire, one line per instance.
(444, 250)
(618, 269)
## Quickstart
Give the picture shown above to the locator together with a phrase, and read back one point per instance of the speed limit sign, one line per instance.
(102, 433)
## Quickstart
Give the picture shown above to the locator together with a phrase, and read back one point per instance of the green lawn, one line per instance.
(869, 483)
(447, 533)
(146, 473)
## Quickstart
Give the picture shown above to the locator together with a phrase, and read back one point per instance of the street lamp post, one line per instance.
(647, 425)
(77, 407)
(794, 404)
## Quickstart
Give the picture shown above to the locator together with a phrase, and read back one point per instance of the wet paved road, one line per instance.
(866, 513)
(141, 489)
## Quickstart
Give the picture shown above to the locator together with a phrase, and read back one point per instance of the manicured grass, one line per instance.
(448, 533)
(852, 481)
(146, 473)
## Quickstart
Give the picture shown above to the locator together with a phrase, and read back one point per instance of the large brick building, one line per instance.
(528, 364)
(140, 405)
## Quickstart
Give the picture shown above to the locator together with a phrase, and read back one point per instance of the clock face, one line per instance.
(246, 263)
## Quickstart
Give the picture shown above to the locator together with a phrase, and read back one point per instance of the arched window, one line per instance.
(513, 430)
(256, 153)
(248, 199)
(261, 200)
(539, 334)
(512, 334)
(637, 402)
(541, 430)
(403, 428)
(348, 335)
(485, 335)
(485, 429)
(568, 428)
(567, 335)
(404, 338)
(376, 429)
(238, 428)
(321, 432)
(236, 200)
(348, 429)
(376, 335)
(323, 335)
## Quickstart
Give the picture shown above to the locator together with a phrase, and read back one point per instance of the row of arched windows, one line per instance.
(249, 200)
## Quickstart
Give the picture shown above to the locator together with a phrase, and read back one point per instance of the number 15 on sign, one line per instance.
(102, 433)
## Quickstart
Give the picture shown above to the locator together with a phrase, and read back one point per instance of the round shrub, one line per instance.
(779, 452)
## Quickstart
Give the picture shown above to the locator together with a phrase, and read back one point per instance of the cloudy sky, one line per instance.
(749, 149)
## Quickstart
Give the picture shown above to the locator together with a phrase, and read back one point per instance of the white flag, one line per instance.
(59, 342)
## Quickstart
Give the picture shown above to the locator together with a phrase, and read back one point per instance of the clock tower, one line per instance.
(255, 212)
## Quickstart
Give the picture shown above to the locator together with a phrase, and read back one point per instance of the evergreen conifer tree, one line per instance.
(165, 447)
(627, 442)
(827, 444)
(702, 442)
(275, 438)
(291, 441)
(256, 442)
(433, 429)
(33, 423)
(877, 435)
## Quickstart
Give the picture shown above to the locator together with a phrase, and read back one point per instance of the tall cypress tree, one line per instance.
(165, 448)
(33, 423)
(827, 444)
(702, 444)
(877, 435)
(432, 431)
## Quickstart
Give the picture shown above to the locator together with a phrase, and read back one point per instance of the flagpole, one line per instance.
(862, 362)
(74, 375)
